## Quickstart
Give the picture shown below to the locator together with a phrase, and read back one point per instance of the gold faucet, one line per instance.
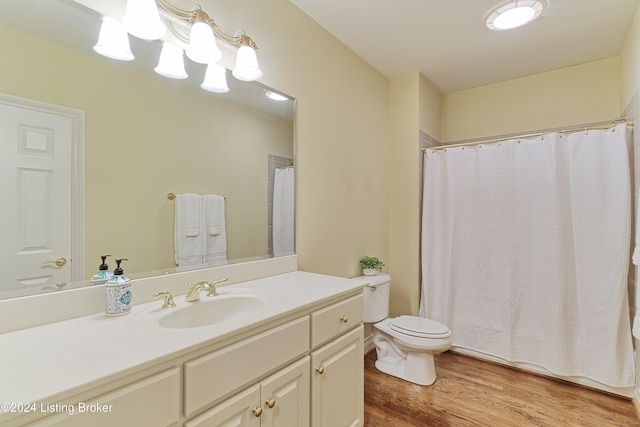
(193, 294)
(168, 299)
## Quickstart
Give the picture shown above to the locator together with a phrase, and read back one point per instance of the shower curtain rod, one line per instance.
(532, 135)
(284, 167)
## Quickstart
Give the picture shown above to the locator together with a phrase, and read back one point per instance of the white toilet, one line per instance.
(405, 345)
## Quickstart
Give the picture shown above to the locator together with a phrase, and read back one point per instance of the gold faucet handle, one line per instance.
(211, 287)
(168, 299)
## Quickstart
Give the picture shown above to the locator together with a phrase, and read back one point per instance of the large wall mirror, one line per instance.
(145, 136)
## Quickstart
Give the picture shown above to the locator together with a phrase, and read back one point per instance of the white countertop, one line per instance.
(41, 362)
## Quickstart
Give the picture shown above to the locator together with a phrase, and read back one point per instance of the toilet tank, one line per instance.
(376, 297)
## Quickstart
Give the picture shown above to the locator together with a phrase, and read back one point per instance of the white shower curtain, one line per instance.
(525, 251)
(283, 212)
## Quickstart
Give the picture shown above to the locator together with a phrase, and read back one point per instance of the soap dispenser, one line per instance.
(103, 274)
(117, 290)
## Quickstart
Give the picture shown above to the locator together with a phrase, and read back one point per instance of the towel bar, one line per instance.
(172, 196)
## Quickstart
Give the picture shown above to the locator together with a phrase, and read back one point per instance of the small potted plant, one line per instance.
(370, 265)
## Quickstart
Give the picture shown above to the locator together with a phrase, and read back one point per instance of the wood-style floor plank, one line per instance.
(473, 392)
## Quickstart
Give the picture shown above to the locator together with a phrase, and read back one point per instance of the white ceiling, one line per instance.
(447, 41)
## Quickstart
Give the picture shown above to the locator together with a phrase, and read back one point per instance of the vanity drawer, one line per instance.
(154, 400)
(210, 377)
(336, 319)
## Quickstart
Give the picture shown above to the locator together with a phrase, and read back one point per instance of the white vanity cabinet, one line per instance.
(335, 367)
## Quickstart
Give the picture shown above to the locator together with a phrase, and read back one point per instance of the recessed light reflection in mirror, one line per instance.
(275, 96)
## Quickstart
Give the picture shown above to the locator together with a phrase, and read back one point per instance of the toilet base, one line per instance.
(418, 368)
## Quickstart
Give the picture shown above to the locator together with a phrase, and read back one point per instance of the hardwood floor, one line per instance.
(472, 392)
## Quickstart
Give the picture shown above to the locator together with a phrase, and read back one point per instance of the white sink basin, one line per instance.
(212, 310)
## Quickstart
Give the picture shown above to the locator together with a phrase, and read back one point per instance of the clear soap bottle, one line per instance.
(117, 299)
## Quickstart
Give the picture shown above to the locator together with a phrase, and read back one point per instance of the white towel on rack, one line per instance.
(214, 212)
(189, 241)
(216, 236)
(192, 213)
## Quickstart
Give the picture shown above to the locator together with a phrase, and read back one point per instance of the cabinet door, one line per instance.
(337, 382)
(285, 397)
(241, 410)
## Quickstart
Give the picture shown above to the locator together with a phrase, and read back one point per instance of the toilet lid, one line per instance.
(419, 327)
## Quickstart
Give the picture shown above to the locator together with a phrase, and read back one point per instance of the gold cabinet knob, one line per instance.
(320, 370)
(345, 319)
(270, 403)
(60, 262)
(257, 411)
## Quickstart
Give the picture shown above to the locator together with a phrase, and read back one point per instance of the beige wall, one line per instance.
(630, 63)
(342, 132)
(430, 108)
(404, 106)
(585, 93)
(147, 136)
(414, 105)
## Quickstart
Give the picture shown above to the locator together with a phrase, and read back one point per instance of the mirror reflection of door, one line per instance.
(36, 148)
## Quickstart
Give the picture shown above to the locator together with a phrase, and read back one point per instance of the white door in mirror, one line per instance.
(35, 171)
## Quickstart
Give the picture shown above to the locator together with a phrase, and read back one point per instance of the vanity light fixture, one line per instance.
(142, 19)
(513, 14)
(171, 62)
(215, 79)
(150, 19)
(202, 42)
(113, 41)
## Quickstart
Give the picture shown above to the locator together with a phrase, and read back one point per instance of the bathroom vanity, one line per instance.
(284, 350)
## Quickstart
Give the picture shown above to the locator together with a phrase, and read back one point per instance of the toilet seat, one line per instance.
(419, 327)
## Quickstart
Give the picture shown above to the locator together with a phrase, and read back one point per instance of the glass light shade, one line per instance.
(171, 62)
(113, 41)
(142, 20)
(202, 44)
(513, 14)
(215, 79)
(246, 68)
(514, 18)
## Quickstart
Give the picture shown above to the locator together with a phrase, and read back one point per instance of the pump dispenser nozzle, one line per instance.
(103, 273)
(119, 271)
(104, 265)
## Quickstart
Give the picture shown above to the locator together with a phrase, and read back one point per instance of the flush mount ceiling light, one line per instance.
(195, 29)
(514, 14)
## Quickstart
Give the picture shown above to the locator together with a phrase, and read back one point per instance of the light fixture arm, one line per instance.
(197, 14)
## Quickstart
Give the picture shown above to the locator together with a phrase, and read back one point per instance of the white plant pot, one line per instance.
(369, 271)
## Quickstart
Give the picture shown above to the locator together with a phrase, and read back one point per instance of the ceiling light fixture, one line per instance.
(513, 14)
(150, 19)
